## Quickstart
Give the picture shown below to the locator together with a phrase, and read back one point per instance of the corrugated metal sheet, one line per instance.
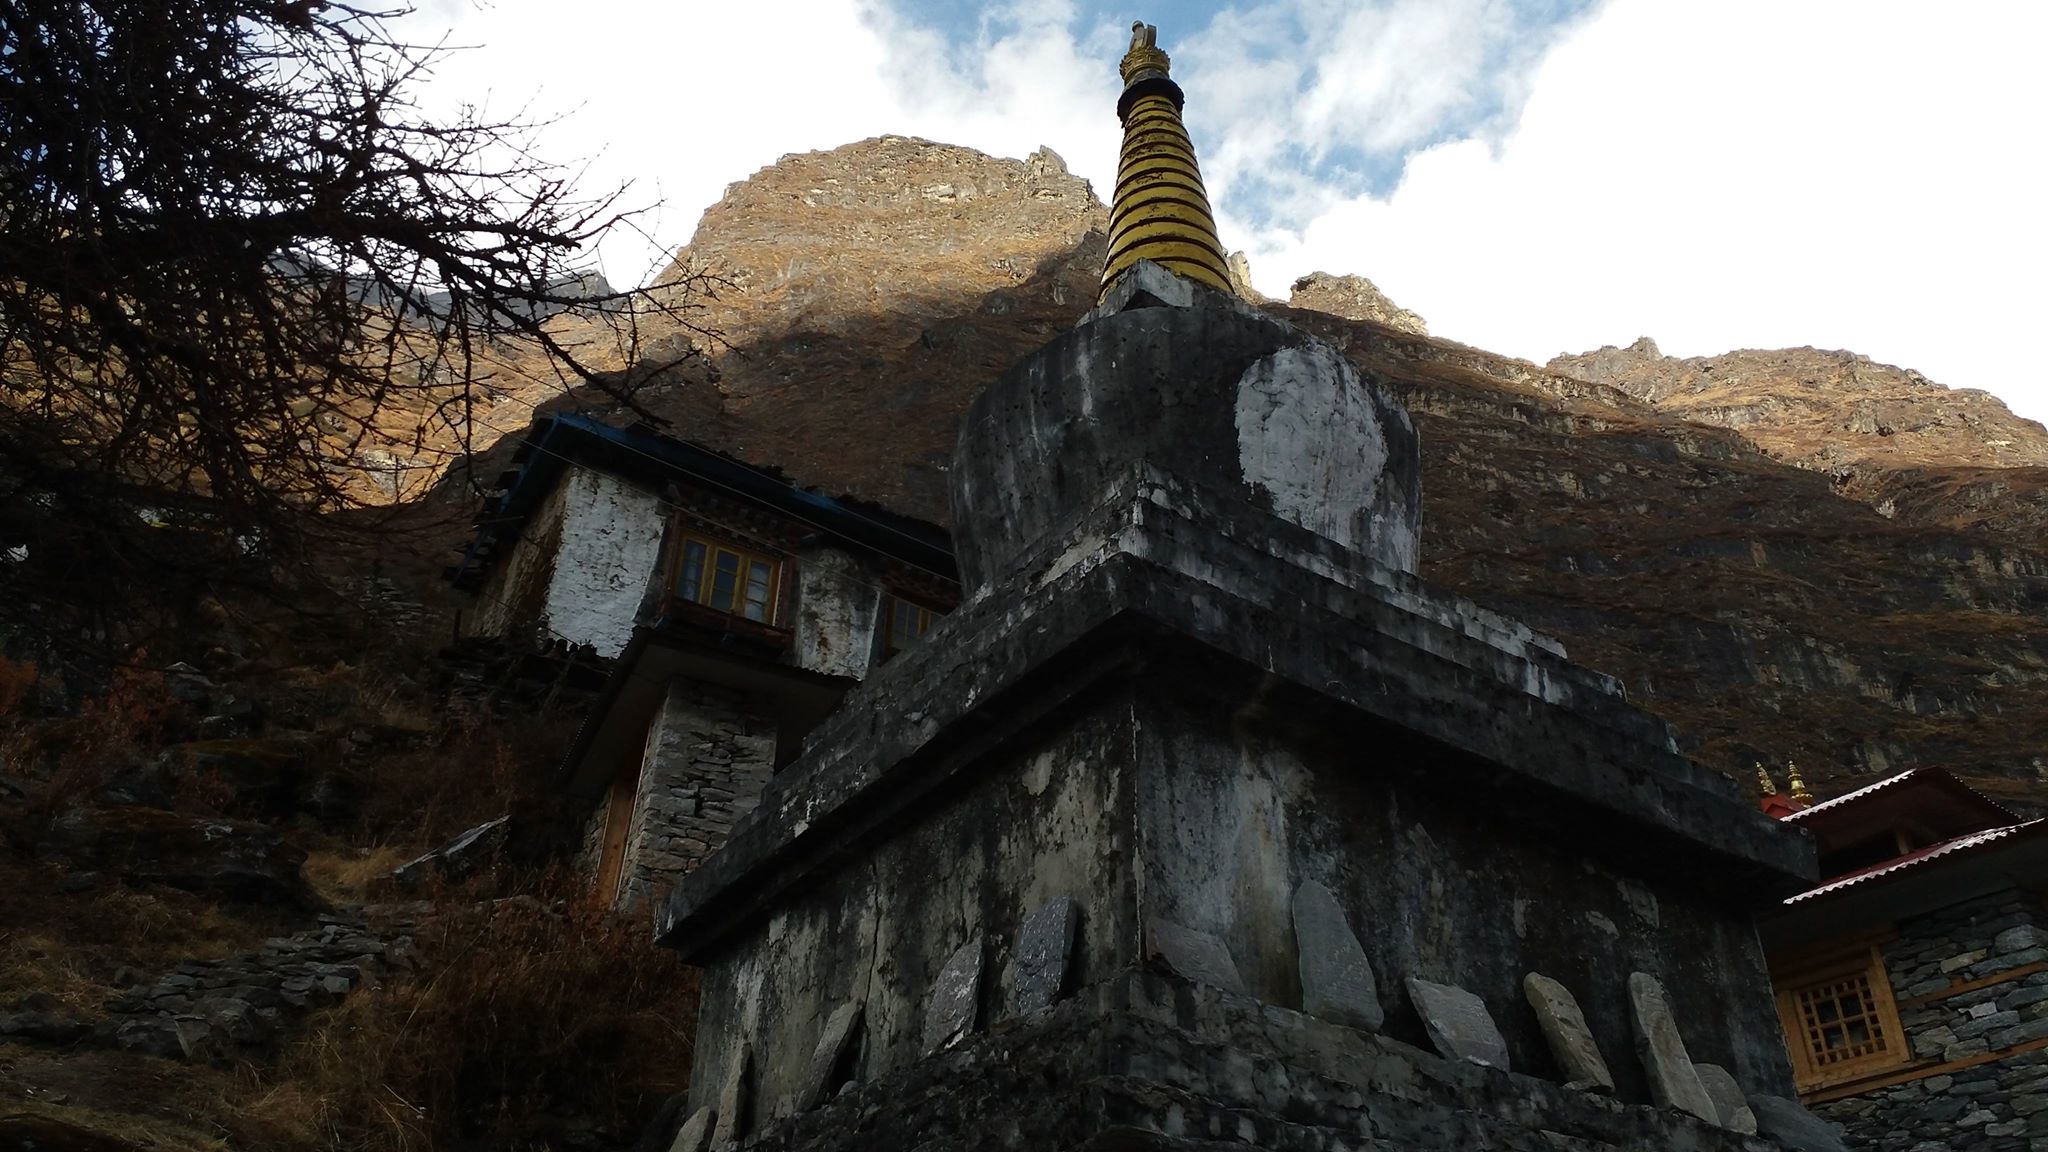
(1946, 848)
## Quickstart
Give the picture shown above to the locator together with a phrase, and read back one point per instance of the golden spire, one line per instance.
(1799, 791)
(1763, 776)
(1160, 211)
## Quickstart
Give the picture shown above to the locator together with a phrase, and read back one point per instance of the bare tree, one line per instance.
(236, 255)
(230, 239)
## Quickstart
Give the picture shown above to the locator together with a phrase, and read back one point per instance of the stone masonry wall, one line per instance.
(707, 756)
(2000, 1105)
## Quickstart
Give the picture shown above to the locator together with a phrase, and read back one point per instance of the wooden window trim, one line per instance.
(891, 600)
(1867, 961)
(684, 535)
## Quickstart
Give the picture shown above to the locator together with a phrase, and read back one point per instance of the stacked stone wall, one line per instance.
(708, 755)
(1989, 1090)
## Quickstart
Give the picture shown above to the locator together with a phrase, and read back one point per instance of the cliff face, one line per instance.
(1738, 537)
(1828, 411)
(869, 293)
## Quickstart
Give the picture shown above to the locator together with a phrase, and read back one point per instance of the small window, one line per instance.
(727, 578)
(1841, 1021)
(907, 622)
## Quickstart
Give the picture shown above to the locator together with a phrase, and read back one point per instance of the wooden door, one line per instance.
(618, 828)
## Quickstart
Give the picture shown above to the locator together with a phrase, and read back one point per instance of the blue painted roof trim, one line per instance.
(565, 437)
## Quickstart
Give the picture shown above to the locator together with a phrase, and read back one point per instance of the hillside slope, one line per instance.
(1724, 535)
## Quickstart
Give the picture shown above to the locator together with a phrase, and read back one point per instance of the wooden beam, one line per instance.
(1917, 1072)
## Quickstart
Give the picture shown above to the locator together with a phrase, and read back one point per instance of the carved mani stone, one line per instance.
(835, 1043)
(1733, 1110)
(1674, 1083)
(956, 995)
(1045, 948)
(1336, 981)
(1458, 1024)
(1789, 1123)
(695, 1134)
(1195, 955)
(732, 1100)
(1571, 1041)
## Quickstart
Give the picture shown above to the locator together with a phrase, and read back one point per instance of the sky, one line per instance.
(1532, 176)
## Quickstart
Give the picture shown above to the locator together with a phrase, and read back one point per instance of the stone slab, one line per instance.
(956, 995)
(733, 1099)
(1458, 1024)
(1789, 1123)
(1729, 1104)
(1336, 980)
(841, 1033)
(1565, 1030)
(1674, 1083)
(695, 1134)
(1045, 949)
(1195, 955)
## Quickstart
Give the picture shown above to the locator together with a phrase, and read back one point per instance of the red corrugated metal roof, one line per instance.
(1946, 848)
(1848, 798)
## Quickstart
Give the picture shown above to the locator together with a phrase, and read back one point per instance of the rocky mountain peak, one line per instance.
(1831, 411)
(1353, 298)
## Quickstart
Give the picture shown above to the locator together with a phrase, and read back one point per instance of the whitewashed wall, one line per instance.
(610, 543)
(838, 607)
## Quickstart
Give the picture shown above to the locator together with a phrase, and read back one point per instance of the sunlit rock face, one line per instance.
(1192, 386)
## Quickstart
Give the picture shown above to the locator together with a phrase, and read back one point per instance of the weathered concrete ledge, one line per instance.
(1142, 1062)
(1143, 582)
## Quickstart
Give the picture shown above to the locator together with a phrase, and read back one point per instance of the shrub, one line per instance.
(530, 1022)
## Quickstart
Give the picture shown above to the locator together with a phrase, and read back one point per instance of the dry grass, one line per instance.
(530, 1017)
(343, 875)
(72, 945)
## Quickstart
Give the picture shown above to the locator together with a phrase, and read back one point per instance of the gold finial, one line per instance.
(1799, 791)
(1763, 776)
(1160, 211)
(1144, 58)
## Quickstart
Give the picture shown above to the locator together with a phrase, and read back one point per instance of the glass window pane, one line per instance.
(757, 591)
(725, 580)
(690, 583)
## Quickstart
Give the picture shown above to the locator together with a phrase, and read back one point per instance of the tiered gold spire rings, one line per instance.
(1799, 791)
(1160, 211)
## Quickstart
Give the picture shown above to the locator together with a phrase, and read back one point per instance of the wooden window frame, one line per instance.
(742, 554)
(1862, 962)
(895, 600)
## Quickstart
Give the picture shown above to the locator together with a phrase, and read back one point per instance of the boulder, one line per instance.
(1336, 981)
(1736, 1114)
(1193, 955)
(1038, 966)
(1458, 1024)
(1674, 1082)
(1565, 1030)
(49, 1134)
(256, 779)
(230, 859)
(474, 851)
(1790, 1124)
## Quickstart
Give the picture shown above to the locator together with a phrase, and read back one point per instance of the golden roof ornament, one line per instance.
(1160, 211)
(1144, 59)
(1799, 791)
(1763, 776)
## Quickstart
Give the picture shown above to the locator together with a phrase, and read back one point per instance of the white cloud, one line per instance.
(680, 99)
(1744, 174)
(1845, 173)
